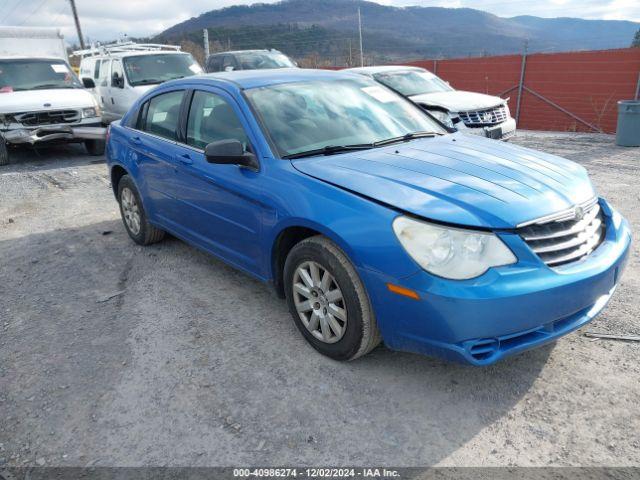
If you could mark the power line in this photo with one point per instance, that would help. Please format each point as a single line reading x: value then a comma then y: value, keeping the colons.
x: 38, y: 7
x: 11, y: 10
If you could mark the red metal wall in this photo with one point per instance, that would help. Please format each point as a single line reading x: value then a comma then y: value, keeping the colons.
x: 588, y: 84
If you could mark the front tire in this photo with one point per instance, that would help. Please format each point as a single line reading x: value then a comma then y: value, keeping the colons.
x: 133, y: 215
x: 328, y: 301
x: 94, y: 147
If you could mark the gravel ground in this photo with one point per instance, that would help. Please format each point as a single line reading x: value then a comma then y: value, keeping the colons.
x: 113, y: 354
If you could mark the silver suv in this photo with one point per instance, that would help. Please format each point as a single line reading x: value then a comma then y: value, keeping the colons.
x: 248, y: 60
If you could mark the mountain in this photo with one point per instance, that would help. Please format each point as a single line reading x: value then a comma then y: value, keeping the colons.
x: 329, y: 28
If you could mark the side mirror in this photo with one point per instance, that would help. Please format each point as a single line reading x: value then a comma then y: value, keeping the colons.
x: 229, y: 68
x: 88, y: 82
x: 230, y: 152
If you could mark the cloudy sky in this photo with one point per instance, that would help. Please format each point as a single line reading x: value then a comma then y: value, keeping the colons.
x: 113, y: 18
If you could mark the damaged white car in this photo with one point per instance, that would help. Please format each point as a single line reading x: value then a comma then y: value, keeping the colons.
x: 469, y: 112
x: 41, y: 99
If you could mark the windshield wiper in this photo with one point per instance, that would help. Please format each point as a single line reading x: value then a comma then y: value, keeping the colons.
x: 405, y: 138
x: 330, y: 150
x: 147, y: 81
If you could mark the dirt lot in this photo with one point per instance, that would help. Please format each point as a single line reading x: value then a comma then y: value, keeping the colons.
x: 113, y: 354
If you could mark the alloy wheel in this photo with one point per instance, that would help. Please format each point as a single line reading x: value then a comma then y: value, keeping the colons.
x: 319, y: 302
x: 130, y: 210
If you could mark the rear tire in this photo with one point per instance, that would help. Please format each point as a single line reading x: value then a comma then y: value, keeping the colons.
x: 4, y: 152
x: 337, y: 304
x: 133, y: 215
x: 94, y: 147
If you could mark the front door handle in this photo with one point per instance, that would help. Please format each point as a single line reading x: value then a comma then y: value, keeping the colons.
x: 135, y: 140
x: 185, y: 158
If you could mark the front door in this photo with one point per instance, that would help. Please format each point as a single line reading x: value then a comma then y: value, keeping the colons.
x: 119, y: 101
x: 222, y: 210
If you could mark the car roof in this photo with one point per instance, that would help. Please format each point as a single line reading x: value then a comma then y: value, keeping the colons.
x: 234, y: 52
x: 39, y: 58
x: 384, y: 68
x: 246, y: 79
x: 133, y: 53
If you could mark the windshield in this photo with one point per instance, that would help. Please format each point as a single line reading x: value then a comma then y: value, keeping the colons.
x: 151, y: 69
x: 305, y: 116
x: 263, y: 60
x: 36, y: 74
x: 413, y: 82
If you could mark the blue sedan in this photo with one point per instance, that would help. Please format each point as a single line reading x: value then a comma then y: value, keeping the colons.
x: 373, y: 220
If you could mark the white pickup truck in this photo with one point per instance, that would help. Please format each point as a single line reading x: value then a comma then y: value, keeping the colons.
x: 41, y: 99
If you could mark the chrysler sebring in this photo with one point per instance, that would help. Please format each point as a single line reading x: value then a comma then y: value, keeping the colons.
x: 372, y: 220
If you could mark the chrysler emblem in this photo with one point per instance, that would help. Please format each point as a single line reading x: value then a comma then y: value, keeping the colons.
x: 579, y: 213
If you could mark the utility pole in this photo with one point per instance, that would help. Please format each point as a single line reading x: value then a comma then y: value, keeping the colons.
x: 360, y: 32
x: 350, y: 55
x: 205, y: 35
x: 75, y: 17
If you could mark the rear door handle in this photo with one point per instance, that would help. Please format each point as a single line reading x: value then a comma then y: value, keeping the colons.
x: 185, y: 158
x: 135, y: 140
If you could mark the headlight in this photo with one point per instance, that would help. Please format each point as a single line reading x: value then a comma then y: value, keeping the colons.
x: 452, y: 253
x: 506, y: 108
x: 442, y: 116
x: 90, y: 112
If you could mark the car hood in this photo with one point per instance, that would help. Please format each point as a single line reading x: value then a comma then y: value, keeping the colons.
x: 459, y: 179
x: 35, y: 100
x: 458, y: 100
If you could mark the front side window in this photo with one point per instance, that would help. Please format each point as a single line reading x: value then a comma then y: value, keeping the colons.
x: 212, y: 119
x: 116, y: 69
x: 36, y: 74
x: 96, y: 70
x: 162, y: 115
x: 158, y: 68
x: 413, y: 82
x: 304, y: 116
x: 228, y: 62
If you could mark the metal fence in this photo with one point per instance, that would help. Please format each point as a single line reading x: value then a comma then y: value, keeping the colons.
x: 572, y: 91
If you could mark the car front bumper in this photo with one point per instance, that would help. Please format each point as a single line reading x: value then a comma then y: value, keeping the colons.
x: 89, y: 129
x: 501, y: 131
x: 505, y: 311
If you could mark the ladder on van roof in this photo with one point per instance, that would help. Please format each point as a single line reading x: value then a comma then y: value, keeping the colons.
x: 121, y: 47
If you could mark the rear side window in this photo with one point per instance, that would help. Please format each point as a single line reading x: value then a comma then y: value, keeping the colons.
x: 214, y: 64
x: 212, y: 119
x: 162, y: 114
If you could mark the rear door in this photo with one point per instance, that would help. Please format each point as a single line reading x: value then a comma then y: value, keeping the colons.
x: 154, y: 149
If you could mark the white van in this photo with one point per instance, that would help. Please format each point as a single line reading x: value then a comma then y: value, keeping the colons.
x: 41, y: 99
x: 122, y: 72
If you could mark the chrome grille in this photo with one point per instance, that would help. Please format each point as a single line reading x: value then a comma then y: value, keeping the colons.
x: 481, y: 118
x: 561, y: 241
x: 48, y: 117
